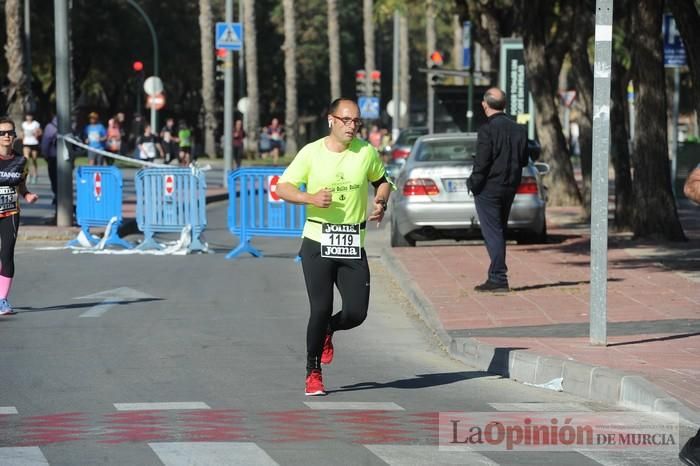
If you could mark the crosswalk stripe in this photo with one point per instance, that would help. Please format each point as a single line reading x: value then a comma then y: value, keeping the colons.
x: 8, y: 410
x: 541, y: 407
x: 208, y: 453
x: 628, y: 457
x: 160, y: 406
x: 354, y: 405
x: 405, y: 455
x: 22, y: 456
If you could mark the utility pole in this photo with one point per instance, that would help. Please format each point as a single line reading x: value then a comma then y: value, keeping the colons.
x: 396, y: 83
x: 599, y: 179
x: 228, y: 101
x: 64, y: 194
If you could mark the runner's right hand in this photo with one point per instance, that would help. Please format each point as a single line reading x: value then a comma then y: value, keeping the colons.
x: 322, y: 198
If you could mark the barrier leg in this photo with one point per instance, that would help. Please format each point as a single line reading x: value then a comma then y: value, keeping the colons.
x: 114, y: 239
x: 196, y: 243
x: 149, y: 242
x: 244, y: 247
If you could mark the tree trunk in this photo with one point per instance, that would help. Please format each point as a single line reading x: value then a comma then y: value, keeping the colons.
x: 542, y: 82
x: 405, y: 70
x: 334, y: 48
x: 207, y: 49
x: 457, y: 55
x: 655, y: 212
x: 688, y: 20
x: 290, y: 77
x: 368, y: 30
x: 16, y: 90
x: 582, y: 74
x: 252, y: 116
x: 619, y: 146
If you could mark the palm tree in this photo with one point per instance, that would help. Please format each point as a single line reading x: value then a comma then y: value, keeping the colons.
x: 334, y: 48
x: 16, y: 90
x: 207, y: 48
x: 290, y: 72
x: 368, y: 29
x: 251, y: 74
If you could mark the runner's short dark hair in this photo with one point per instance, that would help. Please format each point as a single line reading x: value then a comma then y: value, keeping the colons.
x: 6, y: 119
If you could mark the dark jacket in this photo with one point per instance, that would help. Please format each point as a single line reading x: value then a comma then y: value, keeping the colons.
x: 501, y: 153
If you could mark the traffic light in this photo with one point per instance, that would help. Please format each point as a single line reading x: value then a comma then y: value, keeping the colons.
x: 137, y: 66
x: 376, y: 83
x: 360, y: 83
x: 435, y: 64
x: 220, y: 63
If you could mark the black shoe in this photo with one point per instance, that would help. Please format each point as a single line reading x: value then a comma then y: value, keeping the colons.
x: 491, y: 287
x: 690, y: 454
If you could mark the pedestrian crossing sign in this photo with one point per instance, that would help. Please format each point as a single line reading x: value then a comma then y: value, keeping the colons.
x: 369, y: 107
x: 229, y: 36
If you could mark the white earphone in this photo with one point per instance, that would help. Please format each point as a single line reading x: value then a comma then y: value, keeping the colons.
x: 329, y: 123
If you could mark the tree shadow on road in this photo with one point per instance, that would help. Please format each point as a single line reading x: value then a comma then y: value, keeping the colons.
x: 559, y: 284
x: 419, y: 381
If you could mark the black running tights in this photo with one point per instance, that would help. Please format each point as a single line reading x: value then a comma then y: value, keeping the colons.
x: 351, y: 276
x: 8, y: 238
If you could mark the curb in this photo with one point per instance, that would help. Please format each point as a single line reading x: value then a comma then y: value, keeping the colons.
x: 595, y: 383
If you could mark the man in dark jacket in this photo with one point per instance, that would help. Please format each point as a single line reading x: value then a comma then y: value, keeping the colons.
x: 501, y: 153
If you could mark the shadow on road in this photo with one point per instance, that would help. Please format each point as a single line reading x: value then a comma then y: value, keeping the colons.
x: 419, y: 381
x: 66, y: 307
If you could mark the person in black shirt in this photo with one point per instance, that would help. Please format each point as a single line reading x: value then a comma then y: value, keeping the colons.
x: 501, y: 153
x: 13, y: 176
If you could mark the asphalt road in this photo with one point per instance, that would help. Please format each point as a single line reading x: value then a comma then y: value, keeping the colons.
x: 149, y: 360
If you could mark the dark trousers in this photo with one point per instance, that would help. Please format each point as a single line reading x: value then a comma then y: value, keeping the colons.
x: 51, y: 163
x: 493, y: 209
x: 351, y: 276
x: 8, y: 237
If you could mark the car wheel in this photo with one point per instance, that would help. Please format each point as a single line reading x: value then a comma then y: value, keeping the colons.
x: 534, y: 237
x: 397, y: 239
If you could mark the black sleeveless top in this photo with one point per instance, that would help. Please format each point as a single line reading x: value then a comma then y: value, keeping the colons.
x: 12, y: 172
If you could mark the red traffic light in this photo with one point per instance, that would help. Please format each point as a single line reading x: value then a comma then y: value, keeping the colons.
x: 137, y: 65
x: 375, y: 75
x: 221, y: 53
x: 436, y: 58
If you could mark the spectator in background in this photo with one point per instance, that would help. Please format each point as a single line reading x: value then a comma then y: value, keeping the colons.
x: 148, y: 144
x: 31, y: 132
x: 184, y: 136
x: 114, y: 135
x: 135, y: 130
x: 276, y: 133
x: 363, y: 134
x: 375, y: 137
x: 264, y: 143
x: 170, y: 141
x: 238, y: 137
x: 95, y: 135
x: 49, y: 149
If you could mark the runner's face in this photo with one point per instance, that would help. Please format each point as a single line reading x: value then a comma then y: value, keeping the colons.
x: 341, y: 132
x: 6, y: 139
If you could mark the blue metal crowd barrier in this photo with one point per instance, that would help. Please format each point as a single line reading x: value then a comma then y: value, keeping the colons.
x: 255, y: 209
x: 99, y: 200
x: 168, y: 200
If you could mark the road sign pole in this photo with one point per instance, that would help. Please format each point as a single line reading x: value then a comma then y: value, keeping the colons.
x: 674, y: 133
x: 395, y: 78
x: 599, y: 188
x: 228, y: 101
x: 64, y: 195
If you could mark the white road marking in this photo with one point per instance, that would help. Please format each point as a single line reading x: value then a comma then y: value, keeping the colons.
x: 22, y: 456
x: 8, y: 410
x: 111, y: 298
x: 541, y: 407
x: 210, y: 453
x: 350, y: 405
x: 418, y: 455
x: 160, y: 406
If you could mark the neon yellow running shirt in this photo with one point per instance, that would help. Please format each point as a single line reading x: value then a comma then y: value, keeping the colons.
x: 347, y: 174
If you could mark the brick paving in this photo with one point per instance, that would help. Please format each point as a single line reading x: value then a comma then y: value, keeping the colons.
x: 653, y: 300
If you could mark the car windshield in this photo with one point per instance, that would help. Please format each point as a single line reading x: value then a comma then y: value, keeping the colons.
x: 407, y: 138
x: 456, y: 150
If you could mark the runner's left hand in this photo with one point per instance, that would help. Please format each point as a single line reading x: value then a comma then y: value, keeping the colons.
x: 31, y: 197
x: 378, y: 212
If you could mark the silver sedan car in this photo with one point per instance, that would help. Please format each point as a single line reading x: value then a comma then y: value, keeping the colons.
x: 433, y: 202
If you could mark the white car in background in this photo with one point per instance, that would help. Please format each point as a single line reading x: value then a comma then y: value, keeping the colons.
x: 433, y: 202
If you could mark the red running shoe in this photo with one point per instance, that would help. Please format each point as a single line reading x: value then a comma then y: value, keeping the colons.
x: 314, y: 384
x: 327, y: 354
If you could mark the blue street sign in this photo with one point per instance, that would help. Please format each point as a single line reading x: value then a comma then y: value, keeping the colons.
x: 369, y: 107
x: 674, y: 51
x: 467, y: 45
x: 229, y: 36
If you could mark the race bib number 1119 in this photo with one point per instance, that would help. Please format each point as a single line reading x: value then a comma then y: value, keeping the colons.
x: 340, y: 241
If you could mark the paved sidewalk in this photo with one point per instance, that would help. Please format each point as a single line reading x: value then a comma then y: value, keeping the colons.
x: 539, y: 331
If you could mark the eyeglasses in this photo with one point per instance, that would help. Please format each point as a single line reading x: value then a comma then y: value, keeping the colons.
x: 346, y: 121
x: 9, y: 132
